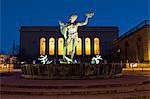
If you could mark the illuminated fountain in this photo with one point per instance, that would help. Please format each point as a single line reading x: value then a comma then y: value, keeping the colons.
x: 69, y: 68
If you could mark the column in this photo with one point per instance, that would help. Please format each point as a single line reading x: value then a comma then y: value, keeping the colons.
x: 56, y: 47
x: 83, y: 47
x: 92, y: 45
x: 47, y: 46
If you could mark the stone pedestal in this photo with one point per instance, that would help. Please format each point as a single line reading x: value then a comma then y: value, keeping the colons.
x: 71, y: 71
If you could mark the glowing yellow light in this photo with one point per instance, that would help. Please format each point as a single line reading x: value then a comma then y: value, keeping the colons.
x: 42, y: 46
x: 79, y: 47
x: 87, y: 46
x: 51, y: 46
x: 60, y: 46
x: 149, y: 51
x: 96, y: 46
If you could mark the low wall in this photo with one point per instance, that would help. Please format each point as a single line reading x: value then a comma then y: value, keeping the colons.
x: 71, y: 71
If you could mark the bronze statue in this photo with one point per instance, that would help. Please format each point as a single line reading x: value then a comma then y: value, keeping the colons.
x: 70, y: 33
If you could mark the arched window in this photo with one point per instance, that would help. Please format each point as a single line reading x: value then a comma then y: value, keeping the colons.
x: 69, y: 49
x: 42, y: 46
x: 51, y: 46
x: 60, y: 46
x: 87, y: 46
x: 79, y: 47
x: 96, y: 46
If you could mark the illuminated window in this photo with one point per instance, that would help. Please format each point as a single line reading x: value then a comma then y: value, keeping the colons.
x: 69, y: 49
x: 42, y: 46
x: 60, y: 46
x: 79, y: 47
x: 51, y: 46
x: 87, y: 46
x: 96, y: 46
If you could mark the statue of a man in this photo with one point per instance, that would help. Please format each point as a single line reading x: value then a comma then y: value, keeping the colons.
x: 70, y: 32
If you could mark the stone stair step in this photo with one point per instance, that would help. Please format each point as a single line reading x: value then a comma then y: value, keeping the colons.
x: 76, y: 86
x: 92, y: 91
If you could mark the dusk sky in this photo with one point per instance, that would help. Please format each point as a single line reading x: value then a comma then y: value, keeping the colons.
x: 15, y: 13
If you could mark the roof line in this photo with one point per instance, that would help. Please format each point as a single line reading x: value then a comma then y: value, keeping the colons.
x: 137, y: 27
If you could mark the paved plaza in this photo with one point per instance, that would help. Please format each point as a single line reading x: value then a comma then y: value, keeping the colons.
x: 130, y: 85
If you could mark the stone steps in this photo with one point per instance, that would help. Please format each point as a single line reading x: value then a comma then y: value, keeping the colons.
x: 76, y: 86
x: 73, y: 92
x: 129, y: 85
x: 133, y: 95
x: 76, y: 89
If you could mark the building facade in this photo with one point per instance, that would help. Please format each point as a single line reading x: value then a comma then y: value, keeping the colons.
x: 134, y: 46
x: 47, y: 40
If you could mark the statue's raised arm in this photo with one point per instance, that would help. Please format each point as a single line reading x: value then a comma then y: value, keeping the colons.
x: 88, y: 15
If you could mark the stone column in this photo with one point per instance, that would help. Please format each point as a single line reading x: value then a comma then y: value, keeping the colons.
x: 47, y: 46
x: 92, y: 45
x: 83, y: 47
x: 56, y: 47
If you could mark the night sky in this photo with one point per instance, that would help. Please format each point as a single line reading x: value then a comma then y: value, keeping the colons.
x: 15, y: 13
